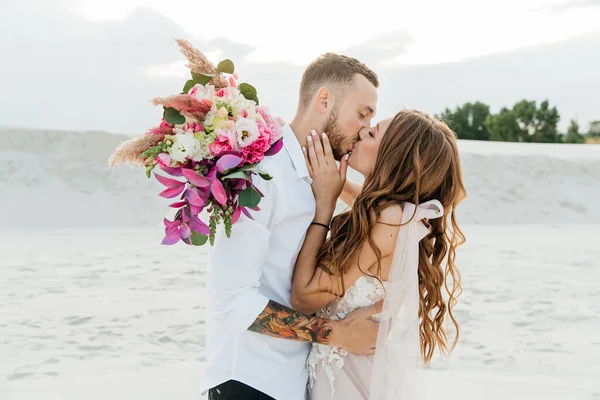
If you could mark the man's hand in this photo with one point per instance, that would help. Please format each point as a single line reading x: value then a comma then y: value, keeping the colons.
x: 357, y: 333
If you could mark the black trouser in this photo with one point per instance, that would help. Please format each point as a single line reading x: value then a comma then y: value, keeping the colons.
x: 234, y: 390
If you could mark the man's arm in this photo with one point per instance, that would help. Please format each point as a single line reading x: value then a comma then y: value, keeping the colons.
x: 236, y: 303
x: 357, y: 333
x: 282, y: 322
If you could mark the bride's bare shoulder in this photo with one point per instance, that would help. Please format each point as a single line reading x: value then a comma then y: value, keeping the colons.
x: 391, y: 215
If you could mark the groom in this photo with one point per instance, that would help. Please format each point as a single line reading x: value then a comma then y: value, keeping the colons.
x: 256, y: 344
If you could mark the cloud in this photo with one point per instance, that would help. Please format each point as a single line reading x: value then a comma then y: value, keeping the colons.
x: 65, y: 72
x: 381, y: 49
x: 574, y: 4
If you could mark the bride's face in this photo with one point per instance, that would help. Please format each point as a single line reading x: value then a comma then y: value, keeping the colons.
x: 364, y: 152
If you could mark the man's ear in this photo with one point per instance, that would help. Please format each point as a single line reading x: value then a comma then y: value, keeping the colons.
x: 324, y: 100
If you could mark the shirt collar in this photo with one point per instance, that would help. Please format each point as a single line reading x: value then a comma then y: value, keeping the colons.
x: 292, y: 146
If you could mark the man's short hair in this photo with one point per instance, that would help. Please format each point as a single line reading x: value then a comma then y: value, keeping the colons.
x: 334, y: 71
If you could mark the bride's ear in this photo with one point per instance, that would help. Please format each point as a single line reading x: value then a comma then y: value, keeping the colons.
x: 324, y: 100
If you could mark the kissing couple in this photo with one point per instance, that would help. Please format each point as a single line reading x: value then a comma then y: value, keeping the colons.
x: 302, y: 304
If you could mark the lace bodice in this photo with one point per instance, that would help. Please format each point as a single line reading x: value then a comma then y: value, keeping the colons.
x: 364, y: 292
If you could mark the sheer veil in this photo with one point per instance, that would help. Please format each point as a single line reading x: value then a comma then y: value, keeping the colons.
x: 397, y: 366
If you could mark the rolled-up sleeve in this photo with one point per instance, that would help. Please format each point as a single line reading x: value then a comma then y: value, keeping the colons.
x: 236, y: 266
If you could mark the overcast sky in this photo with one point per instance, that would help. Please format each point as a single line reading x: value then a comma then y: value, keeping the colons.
x: 95, y: 64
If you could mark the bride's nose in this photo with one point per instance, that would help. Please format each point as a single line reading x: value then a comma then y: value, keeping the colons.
x: 364, y: 133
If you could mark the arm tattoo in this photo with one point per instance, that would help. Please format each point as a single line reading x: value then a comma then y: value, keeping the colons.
x: 282, y: 322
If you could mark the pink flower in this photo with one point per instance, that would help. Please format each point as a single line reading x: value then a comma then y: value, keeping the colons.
x: 220, y: 145
x: 196, y: 127
x: 273, y: 126
x: 255, y: 151
x: 222, y: 92
x: 164, y: 124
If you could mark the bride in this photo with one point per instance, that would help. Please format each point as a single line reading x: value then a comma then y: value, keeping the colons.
x: 396, y: 243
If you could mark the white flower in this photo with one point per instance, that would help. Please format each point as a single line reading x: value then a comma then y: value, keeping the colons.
x: 239, y: 104
x: 184, y: 146
x: 245, y: 132
x: 209, y: 119
x: 203, y: 92
x: 204, y: 140
x: 232, y: 93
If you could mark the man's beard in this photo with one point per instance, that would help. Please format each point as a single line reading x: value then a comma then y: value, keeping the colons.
x: 335, y: 135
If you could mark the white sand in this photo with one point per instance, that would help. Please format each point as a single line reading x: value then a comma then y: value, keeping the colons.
x: 92, y: 307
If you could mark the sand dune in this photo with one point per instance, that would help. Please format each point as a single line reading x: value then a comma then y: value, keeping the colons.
x: 61, y: 179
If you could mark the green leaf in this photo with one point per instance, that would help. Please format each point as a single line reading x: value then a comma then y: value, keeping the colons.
x: 202, y: 79
x: 149, y: 169
x: 249, y: 197
x: 249, y: 167
x: 173, y: 116
x: 237, y: 175
x: 264, y: 175
x: 152, y: 151
x: 198, y: 239
x: 248, y: 91
x: 188, y: 85
x: 225, y: 66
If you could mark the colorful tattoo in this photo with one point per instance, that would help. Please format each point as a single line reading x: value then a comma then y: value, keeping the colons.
x: 282, y: 322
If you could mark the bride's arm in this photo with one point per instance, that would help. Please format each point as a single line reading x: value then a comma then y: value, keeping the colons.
x: 312, y: 288
x: 350, y: 192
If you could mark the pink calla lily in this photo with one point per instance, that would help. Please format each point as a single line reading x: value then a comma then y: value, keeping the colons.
x: 236, y: 214
x: 171, y: 192
x: 227, y: 162
x: 218, y: 191
x: 246, y: 212
x: 275, y: 148
x: 195, y: 178
x: 192, y: 196
x: 171, y: 170
x: 168, y: 182
x: 199, y: 226
x: 185, y: 231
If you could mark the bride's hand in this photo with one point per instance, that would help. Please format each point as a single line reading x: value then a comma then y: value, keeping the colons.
x: 328, y: 180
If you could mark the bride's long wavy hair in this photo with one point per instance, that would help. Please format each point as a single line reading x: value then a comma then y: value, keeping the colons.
x: 417, y: 161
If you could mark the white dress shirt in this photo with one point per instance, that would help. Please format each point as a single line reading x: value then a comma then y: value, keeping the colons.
x: 250, y: 268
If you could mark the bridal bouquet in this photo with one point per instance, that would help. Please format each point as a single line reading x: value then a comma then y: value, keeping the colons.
x: 208, y: 145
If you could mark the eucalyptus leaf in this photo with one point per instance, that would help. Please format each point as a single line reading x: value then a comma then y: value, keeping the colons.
x: 237, y: 175
x: 265, y: 176
x: 173, y: 116
x: 202, y: 79
x: 188, y: 85
x: 249, y: 197
x: 226, y: 66
x: 248, y: 91
x: 198, y: 239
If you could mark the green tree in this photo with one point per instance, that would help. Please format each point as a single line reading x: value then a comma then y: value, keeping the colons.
x: 573, y: 135
x: 525, y: 112
x: 546, y: 119
x: 468, y: 120
x: 537, y: 124
x: 594, y: 128
x: 504, y: 126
